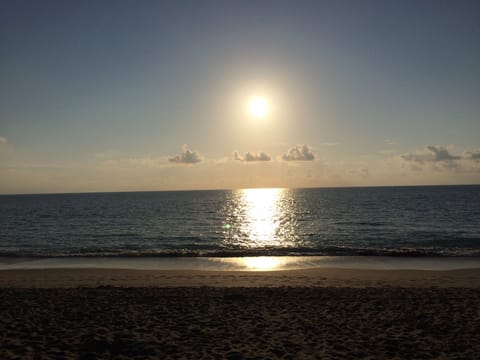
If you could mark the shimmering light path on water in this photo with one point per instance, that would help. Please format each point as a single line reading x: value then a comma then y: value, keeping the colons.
x: 392, y: 221
x: 259, y: 218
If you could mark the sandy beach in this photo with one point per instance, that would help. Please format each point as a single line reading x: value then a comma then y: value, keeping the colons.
x: 318, y: 313
x: 318, y: 277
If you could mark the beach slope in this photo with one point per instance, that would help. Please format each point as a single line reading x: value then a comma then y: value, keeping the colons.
x: 95, y: 314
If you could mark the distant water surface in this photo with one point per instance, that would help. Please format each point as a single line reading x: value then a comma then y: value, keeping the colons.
x: 383, y: 221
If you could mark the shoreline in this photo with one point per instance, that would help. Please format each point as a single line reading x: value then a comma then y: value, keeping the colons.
x: 311, y: 278
x: 247, y: 263
x: 291, y: 271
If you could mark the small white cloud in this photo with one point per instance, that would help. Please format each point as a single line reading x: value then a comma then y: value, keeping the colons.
x: 187, y: 156
x: 252, y: 156
x: 299, y: 153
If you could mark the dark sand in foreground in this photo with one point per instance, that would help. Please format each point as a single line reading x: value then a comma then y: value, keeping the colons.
x: 322, y: 313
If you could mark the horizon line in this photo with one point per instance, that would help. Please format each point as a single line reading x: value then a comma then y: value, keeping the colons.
x: 246, y: 188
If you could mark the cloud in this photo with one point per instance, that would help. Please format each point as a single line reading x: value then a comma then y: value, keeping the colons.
x: 251, y: 156
x: 431, y: 153
x: 437, y: 158
x: 299, y: 153
x: 441, y: 154
x: 187, y: 156
x: 472, y: 155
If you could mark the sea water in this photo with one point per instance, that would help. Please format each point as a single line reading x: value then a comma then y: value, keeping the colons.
x: 438, y: 221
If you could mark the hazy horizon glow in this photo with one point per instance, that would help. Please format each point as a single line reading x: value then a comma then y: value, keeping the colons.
x: 122, y: 96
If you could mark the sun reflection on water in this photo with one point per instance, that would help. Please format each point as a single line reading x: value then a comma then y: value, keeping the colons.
x: 263, y: 212
x: 262, y: 263
x: 259, y: 219
x: 257, y: 263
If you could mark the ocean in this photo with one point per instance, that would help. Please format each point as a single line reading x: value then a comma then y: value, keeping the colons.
x: 421, y: 221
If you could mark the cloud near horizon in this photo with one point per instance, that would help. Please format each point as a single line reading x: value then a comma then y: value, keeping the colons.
x: 472, y: 155
x: 431, y: 153
x: 187, y: 156
x: 437, y: 157
x: 252, y: 156
x: 299, y: 153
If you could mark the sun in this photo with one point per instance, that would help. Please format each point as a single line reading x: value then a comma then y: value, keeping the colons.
x: 258, y: 107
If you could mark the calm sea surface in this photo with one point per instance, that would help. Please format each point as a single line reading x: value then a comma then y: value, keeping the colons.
x: 396, y: 221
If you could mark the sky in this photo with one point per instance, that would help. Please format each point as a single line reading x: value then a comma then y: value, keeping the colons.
x: 153, y: 95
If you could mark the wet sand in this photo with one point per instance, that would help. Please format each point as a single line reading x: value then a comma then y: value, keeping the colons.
x: 320, y: 313
x: 324, y: 277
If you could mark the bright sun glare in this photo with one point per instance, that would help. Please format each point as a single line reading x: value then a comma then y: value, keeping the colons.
x: 258, y: 107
